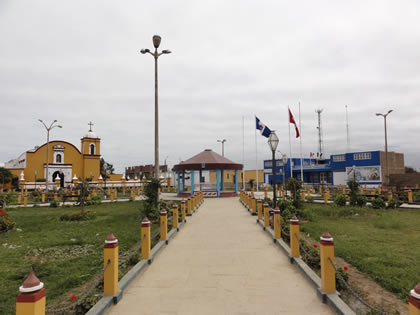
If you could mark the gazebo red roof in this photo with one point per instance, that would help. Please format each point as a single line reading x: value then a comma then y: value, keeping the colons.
x: 207, y: 160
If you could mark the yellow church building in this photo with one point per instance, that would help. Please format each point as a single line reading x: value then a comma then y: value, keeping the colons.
x: 65, y: 161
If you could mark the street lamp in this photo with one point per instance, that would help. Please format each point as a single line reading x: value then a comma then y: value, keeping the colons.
x: 52, y: 126
x: 156, y: 54
x: 223, y: 146
x: 386, y: 145
x: 273, y: 141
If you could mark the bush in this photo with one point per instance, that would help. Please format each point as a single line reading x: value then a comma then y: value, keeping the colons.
x: 361, y: 200
x: 95, y: 200
x: 340, y: 200
x: 394, y: 203
x: 354, y: 191
x: 151, y: 203
x: 78, y: 216
x: 54, y: 204
x: 378, y: 203
x: 5, y: 223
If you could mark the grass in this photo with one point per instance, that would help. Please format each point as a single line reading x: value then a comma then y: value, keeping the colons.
x: 64, y: 255
x: 381, y: 243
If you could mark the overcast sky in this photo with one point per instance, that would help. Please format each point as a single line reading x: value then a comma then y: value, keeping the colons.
x: 80, y: 61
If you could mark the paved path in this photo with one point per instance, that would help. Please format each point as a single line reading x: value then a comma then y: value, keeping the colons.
x: 221, y: 262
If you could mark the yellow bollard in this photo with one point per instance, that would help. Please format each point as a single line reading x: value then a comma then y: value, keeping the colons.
x: 361, y: 189
x: 410, y: 196
x: 265, y: 193
x: 145, y: 239
x: 283, y: 195
x: 266, y: 216
x: 133, y: 195
x: 189, y: 206
x: 111, y: 265
x: 25, y: 200
x: 372, y: 193
x: 327, y: 258
x: 55, y: 196
x: 183, y: 211
x: 313, y: 189
x: 325, y: 197
x: 294, y: 237
x: 343, y: 190
x: 308, y: 194
x: 302, y: 195
x: 163, y: 225
x: 31, y: 299
x: 111, y: 195
x: 89, y: 197
x: 414, y: 301
x: 43, y: 197
x: 389, y: 195
x: 175, y: 217
x: 320, y: 190
x: 259, y: 205
x: 379, y: 189
x: 277, y: 226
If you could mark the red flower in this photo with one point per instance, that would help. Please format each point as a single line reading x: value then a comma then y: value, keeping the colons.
x: 1, y: 213
x: 315, y: 245
x: 6, y: 219
x: 345, y: 267
x: 73, y: 297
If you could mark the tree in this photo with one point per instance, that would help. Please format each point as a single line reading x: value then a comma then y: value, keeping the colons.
x: 5, y: 176
x: 295, y: 187
x: 106, y: 169
x: 151, y: 190
x: 354, y: 191
x: 84, y: 188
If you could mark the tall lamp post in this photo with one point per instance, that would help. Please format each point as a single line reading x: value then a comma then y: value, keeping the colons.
x: 223, y: 146
x: 386, y: 145
x: 52, y: 126
x: 156, y: 54
x: 273, y: 141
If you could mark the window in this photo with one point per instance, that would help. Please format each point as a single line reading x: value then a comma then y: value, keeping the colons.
x: 339, y: 158
x: 362, y: 156
x: 58, y: 158
x: 268, y: 164
x: 92, y: 149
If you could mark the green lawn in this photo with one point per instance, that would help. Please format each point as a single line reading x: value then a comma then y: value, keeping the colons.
x: 64, y: 255
x: 385, y: 244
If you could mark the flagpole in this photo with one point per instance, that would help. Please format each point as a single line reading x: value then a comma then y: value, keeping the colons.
x: 290, y: 144
x: 256, y: 152
x: 243, y: 152
x: 300, y: 136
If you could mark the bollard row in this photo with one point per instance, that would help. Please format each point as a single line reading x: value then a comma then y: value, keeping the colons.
x: 31, y: 299
x: 327, y: 256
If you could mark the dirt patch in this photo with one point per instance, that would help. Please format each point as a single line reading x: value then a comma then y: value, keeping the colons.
x: 371, y: 292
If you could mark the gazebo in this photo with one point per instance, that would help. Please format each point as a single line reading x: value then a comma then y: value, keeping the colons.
x: 206, y: 163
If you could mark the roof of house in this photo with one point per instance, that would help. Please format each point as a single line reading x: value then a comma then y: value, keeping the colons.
x: 207, y: 160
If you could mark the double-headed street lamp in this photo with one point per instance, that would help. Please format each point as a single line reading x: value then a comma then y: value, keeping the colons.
x: 52, y: 126
x: 386, y: 145
x: 223, y: 146
x: 156, y: 54
x: 273, y: 141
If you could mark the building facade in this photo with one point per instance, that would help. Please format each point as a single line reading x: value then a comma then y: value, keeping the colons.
x: 65, y: 161
x: 367, y: 167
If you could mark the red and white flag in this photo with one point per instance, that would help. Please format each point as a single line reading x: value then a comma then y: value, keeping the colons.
x: 292, y: 121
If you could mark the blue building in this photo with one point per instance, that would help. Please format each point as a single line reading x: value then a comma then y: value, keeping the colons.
x: 367, y: 167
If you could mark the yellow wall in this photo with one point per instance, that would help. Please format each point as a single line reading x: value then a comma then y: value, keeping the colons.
x: 83, y: 165
x: 230, y: 175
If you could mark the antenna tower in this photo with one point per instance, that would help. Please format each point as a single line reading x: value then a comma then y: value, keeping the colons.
x: 320, y: 142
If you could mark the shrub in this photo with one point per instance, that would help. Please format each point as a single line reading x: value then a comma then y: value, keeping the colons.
x: 310, y: 199
x: 78, y: 216
x: 378, y: 203
x: 5, y: 223
x: 295, y: 187
x: 95, y: 200
x: 354, y: 191
x: 394, y: 203
x: 54, y: 204
x: 151, y: 202
x: 340, y: 200
x: 361, y: 200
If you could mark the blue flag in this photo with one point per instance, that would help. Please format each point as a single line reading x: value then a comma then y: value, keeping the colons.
x: 265, y: 131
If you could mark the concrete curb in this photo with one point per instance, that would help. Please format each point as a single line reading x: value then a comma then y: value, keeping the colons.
x: 333, y: 299
x: 107, y: 301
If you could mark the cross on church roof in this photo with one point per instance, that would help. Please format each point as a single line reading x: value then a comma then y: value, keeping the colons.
x: 90, y: 124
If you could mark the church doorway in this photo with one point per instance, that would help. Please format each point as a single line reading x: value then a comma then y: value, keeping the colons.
x: 59, y: 175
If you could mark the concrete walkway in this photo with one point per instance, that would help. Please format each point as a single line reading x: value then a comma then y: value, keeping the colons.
x: 221, y: 262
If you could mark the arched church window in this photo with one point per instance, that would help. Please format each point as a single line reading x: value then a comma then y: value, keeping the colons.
x: 58, y: 158
x: 92, y: 149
